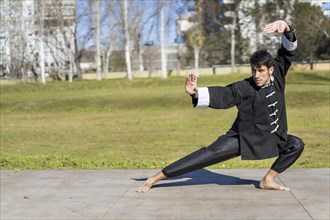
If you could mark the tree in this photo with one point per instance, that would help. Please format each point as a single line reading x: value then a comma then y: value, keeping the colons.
x: 18, y: 45
x: 195, y: 34
x: 60, y: 38
x: 144, y: 18
x: 323, y: 49
x: 312, y: 30
x: 109, y: 43
x: 111, y: 34
x: 233, y: 41
x: 221, y: 31
x: 84, y: 23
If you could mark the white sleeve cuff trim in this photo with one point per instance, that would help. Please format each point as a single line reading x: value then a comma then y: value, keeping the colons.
x: 288, y: 45
x: 203, y: 98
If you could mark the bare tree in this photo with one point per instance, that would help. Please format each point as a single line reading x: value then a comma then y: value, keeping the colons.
x: 68, y: 35
x: 136, y: 27
x: 233, y: 40
x: 314, y: 42
x: 136, y: 32
x: 143, y: 25
x: 108, y: 46
x: 196, y: 33
x: 110, y: 42
x: 17, y: 45
x: 84, y: 23
x: 60, y: 37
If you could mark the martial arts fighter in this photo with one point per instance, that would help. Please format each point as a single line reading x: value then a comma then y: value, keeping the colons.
x: 260, y: 129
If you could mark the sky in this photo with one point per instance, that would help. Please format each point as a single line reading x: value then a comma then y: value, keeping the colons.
x: 148, y: 6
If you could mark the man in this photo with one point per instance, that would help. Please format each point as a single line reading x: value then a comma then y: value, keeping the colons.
x: 260, y: 129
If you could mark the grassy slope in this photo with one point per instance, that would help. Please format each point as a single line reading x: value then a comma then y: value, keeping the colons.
x: 145, y: 123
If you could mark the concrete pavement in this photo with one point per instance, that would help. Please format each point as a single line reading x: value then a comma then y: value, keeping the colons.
x: 203, y: 194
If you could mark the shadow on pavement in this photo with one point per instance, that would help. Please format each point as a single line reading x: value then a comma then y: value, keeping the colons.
x: 202, y: 177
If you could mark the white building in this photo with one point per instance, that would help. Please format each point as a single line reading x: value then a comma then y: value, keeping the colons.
x: 27, y: 23
x: 16, y: 32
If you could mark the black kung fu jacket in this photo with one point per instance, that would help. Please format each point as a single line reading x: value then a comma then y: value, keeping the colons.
x: 261, y: 123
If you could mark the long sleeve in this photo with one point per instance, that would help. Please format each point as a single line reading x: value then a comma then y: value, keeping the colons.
x: 202, y: 98
x: 290, y: 35
x: 286, y: 53
x: 222, y: 97
x: 217, y: 97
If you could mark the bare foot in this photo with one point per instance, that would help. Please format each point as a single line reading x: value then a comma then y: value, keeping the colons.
x: 268, y: 182
x: 272, y: 185
x: 146, y: 186
x: 150, y: 182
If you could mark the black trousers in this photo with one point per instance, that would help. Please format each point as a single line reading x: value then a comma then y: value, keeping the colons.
x: 227, y: 147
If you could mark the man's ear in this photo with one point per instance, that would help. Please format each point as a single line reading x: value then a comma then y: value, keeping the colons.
x: 271, y: 70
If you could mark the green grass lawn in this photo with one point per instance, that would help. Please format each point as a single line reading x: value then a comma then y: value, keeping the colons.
x: 141, y: 124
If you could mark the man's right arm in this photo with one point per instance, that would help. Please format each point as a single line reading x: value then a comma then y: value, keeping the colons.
x: 216, y: 97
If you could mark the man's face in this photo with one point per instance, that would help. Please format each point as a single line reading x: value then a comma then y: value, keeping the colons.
x: 261, y: 75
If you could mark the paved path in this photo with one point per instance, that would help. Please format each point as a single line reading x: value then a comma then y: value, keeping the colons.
x: 203, y: 194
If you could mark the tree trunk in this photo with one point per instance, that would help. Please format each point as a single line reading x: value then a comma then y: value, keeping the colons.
x: 76, y: 54
x: 232, y: 49
x: 70, y: 77
x: 196, y: 53
x: 178, y: 34
x: 97, y: 40
x: 162, y: 41
x: 41, y: 44
x: 7, y: 48
x: 106, y: 59
x: 141, y: 67
x: 105, y: 67
x: 127, y: 43
x: 71, y: 56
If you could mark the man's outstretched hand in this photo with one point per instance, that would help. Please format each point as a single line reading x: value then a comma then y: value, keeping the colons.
x: 276, y: 27
x: 191, y: 84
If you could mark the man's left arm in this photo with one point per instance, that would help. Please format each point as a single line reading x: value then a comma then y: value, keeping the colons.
x: 287, y: 51
x: 289, y: 44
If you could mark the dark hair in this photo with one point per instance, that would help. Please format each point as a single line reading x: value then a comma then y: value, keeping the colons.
x: 261, y: 57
